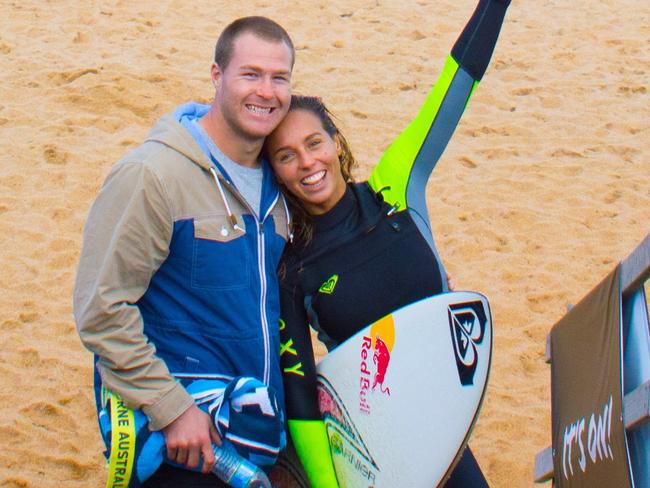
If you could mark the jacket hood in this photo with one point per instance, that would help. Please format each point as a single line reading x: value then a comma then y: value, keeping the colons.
x: 170, y: 131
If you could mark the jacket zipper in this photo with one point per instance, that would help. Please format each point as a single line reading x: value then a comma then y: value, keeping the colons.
x: 261, y: 264
x: 262, y: 267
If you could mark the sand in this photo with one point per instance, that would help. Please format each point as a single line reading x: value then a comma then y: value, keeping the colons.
x: 544, y: 188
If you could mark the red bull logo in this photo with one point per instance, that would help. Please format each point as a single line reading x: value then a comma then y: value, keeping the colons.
x: 378, y: 346
x: 381, y: 358
x: 364, y: 381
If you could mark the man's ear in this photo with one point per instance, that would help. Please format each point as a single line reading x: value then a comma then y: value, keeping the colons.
x: 215, y: 75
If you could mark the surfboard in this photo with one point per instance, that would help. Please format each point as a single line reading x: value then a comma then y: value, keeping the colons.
x: 400, y: 397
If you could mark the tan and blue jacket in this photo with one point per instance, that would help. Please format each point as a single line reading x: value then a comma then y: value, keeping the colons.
x: 177, y: 275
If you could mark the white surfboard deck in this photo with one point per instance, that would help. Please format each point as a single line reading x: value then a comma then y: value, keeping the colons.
x: 400, y: 397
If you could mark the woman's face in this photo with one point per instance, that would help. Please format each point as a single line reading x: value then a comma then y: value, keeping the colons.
x: 305, y: 159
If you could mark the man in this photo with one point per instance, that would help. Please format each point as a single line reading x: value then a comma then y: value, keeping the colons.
x: 176, y: 279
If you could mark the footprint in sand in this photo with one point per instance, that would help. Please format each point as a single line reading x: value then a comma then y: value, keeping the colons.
x: 54, y: 155
x: 632, y: 89
x: 626, y: 152
x: 66, y: 77
x: 65, y: 261
x: 155, y: 78
x: 499, y: 153
x: 531, y: 365
x: 13, y: 482
x: 10, y: 325
x: 551, y: 102
x: 29, y: 358
x: 13, y: 182
x: 501, y: 131
x: 467, y: 162
x: 499, y: 64
x: 11, y: 436
x: 560, y: 153
x: 522, y: 92
x: 572, y: 170
x: 74, y: 470
x: 62, y: 245
x: 29, y: 317
x: 502, y: 244
x: 126, y: 92
x: 80, y: 38
x: 612, y: 196
x: 60, y: 214
x: 541, y: 302
x: 42, y: 409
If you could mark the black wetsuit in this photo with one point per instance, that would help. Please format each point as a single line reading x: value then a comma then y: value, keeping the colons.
x: 376, y: 258
x: 381, y: 263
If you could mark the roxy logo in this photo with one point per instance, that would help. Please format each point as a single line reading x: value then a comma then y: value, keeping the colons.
x: 329, y: 285
x: 467, y: 322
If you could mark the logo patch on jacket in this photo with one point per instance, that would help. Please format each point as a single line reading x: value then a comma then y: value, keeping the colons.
x: 329, y: 285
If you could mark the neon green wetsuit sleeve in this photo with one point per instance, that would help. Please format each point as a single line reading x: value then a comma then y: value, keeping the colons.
x: 403, y: 171
x: 392, y: 175
x: 312, y: 445
x: 405, y: 167
x: 306, y: 426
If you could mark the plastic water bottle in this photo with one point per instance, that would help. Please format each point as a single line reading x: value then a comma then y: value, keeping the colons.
x: 237, y: 471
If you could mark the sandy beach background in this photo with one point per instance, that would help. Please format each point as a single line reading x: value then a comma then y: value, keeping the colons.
x: 544, y: 188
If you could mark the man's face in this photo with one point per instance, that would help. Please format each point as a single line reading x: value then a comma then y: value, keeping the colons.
x: 253, y: 93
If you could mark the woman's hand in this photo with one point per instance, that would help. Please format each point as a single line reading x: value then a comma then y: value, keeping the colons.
x: 450, y: 282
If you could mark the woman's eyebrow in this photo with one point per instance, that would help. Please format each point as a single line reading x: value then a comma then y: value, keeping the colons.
x: 281, y: 148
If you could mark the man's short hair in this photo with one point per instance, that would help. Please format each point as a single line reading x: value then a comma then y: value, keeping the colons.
x: 261, y: 27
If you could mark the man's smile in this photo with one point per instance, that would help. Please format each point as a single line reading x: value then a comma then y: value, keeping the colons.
x: 258, y: 109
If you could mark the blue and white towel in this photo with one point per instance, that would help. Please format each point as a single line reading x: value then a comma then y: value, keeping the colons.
x: 245, y: 412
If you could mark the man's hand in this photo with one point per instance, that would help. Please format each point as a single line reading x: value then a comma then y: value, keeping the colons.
x: 190, y: 437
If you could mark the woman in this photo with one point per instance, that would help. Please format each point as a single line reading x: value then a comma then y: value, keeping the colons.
x: 354, y: 237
